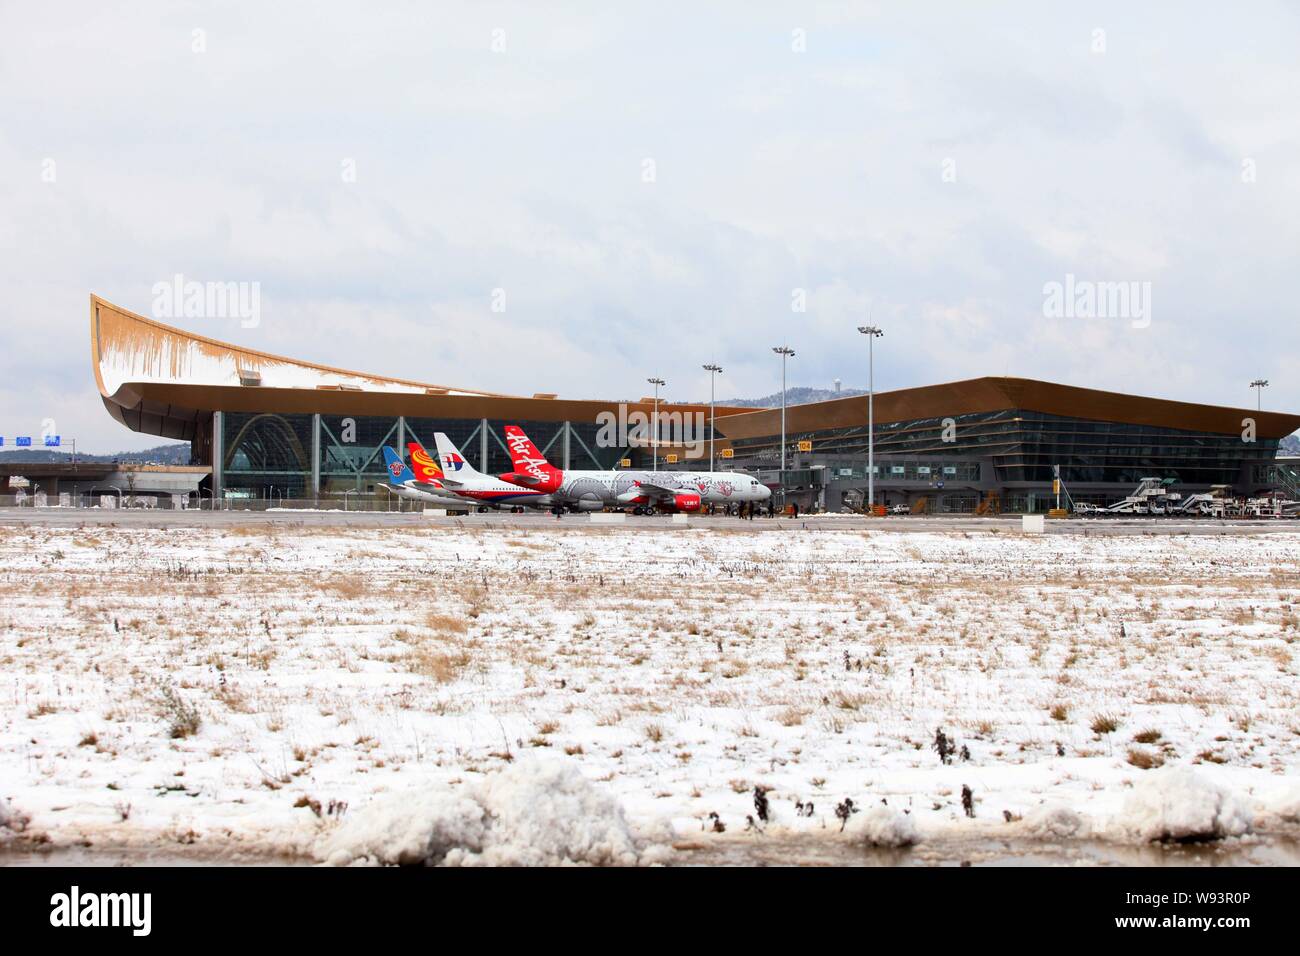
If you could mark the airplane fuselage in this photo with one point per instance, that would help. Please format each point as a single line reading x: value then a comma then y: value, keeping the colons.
x: 429, y: 498
x: 594, y: 490
x: 487, y: 490
x: 479, y: 491
x: 591, y: 489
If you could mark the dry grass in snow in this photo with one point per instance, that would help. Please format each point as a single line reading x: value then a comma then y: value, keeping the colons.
x: 259, y: 688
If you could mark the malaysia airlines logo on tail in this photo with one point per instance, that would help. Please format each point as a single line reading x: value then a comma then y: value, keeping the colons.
x: 423, y: 464
x: 453, y: 462
x: 530, y: 465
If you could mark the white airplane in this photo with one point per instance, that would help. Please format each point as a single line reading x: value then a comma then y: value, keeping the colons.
x: 426, y: 488
x: 643, y: 490
x: 429, y: 484
x: 461, y: 478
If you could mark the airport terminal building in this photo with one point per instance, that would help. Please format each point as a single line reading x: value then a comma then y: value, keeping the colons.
x: 274, y: 428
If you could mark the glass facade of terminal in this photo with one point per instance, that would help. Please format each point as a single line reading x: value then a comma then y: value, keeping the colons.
x: 270, y: 455
x: 267, y: 455
x: 1023, y: 446
x: 903, y: 469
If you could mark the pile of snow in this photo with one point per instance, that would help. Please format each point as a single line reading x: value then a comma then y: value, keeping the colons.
x: 1287, y: 809
x: 882, y: 826
x: 12, y: 821
x: 1290, y: 811
x: 534, y: 813
x: 1177, y: 803
x: 1054, y: 823
x: 407, y: 829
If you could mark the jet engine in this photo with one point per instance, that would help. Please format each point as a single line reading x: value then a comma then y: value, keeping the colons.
x: 686, y: 501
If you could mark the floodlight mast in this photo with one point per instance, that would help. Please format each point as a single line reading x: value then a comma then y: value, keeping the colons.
x: 656, y: 382
x: 713, y: 369
x: 785, y: 352
x: 1259, y: 385
x: 872, y: 333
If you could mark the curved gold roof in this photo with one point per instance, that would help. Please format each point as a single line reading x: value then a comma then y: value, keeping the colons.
x: 165, y: 381
x: 130, y: 347
x: 994, y: 394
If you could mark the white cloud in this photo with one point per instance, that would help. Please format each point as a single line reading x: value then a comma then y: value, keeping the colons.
x: 522, y: 170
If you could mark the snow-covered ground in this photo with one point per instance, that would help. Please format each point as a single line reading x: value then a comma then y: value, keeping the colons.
x: 602, y: 695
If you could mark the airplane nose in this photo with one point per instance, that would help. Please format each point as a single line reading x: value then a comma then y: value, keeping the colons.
x: 767, y: 493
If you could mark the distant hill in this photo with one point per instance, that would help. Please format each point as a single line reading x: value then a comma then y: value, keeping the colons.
x: 178, y: 454
x: 799, y: 395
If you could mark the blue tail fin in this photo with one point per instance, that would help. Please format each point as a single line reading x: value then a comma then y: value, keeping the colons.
x: 397, y: 469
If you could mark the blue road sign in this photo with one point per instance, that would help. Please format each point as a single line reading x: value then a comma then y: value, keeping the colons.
x: 52, y: 441
x: 23, y: 441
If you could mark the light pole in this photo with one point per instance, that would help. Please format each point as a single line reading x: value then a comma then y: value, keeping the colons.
x: 785, y: 352
x: 872, y: 333
x: 1260, y: 384
x: 656, y: 382
x: 713, y: 370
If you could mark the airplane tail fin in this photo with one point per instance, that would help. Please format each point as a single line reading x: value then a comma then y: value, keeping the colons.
x: 397, y: 469
x: 424, y: 465
x: 530, y: 466
x: 453, y: 463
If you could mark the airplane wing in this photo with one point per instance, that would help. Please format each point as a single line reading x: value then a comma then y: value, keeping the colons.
x: 426, y: 486
x: 649, y: 489
x: 655, y: 488
x: 517, y: 478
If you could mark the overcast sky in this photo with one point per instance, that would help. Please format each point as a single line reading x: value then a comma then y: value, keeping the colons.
x: 932, y: 165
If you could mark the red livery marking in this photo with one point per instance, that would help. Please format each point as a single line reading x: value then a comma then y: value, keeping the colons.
x: 527, y: 460
x: 425, y: 468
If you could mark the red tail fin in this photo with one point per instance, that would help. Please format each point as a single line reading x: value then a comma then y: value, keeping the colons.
x: 424, y: 465
x: 529, y: 463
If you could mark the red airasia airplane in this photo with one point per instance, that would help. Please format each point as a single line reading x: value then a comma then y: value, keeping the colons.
x: 645, y: 491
